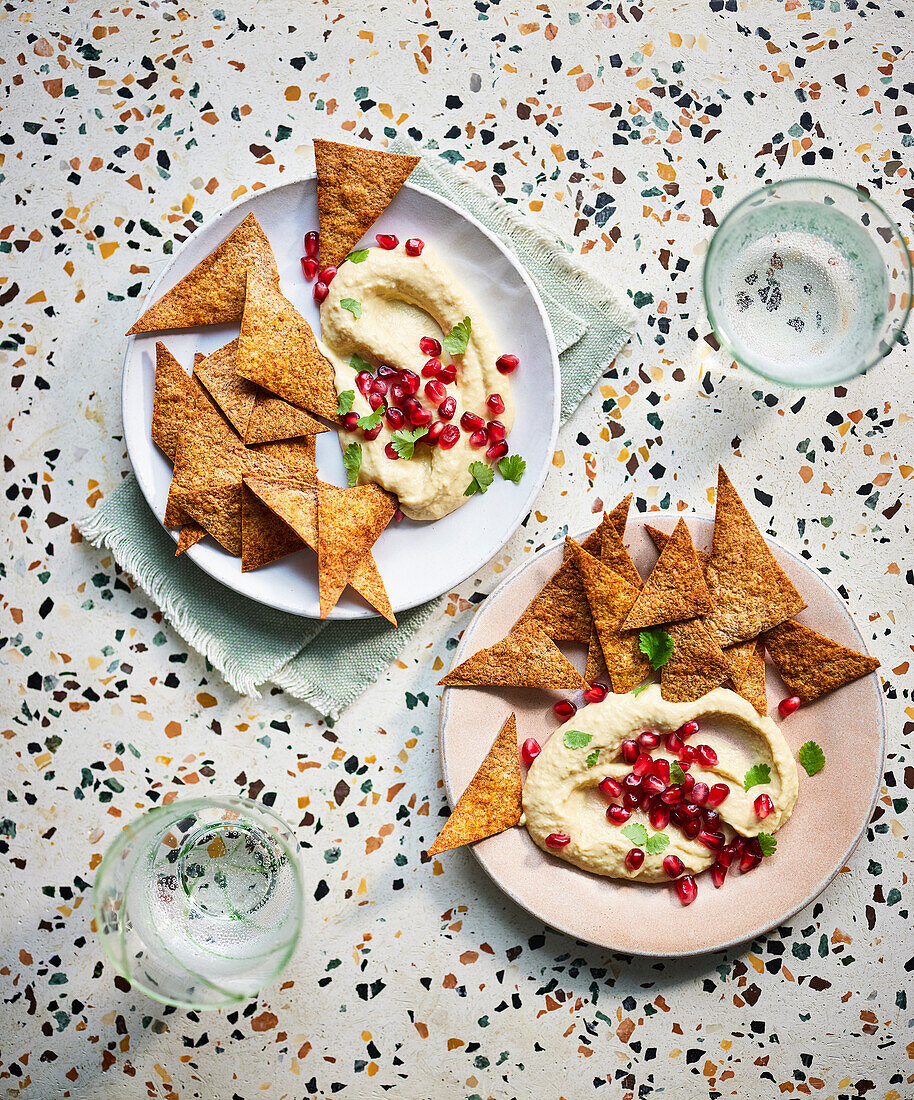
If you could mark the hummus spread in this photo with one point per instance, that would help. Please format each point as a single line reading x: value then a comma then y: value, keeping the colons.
x: 561, y: 796
x: 402, y: 299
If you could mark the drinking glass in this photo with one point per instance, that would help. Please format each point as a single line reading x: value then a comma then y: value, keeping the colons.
x: 808, y: 282
x: 199, y: 903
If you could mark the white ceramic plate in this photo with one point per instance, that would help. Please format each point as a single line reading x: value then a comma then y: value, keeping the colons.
x: 829, y: 818
x: 418, y: 561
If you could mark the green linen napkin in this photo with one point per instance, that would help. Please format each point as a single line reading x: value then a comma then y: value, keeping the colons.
x: 330, y: 664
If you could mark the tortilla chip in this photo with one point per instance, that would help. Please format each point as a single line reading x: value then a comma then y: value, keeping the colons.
x: 492, y: 801
x: 272, y: 419
x: 527, y: 657
x: 750, y: 592
x: 561, y: 609
x: 354, y: 187
x: 264, y: 536
x: 190, y: 535
x: 676, y: 588
x: 234, y: 395
x: 661, y: 538
x: 204, y: 418
x: 748, y: 676
x: 619, y: 517
x: 596, y: 666
x: 213, y: 293
x: 349, y: 522
x: 611, y: 598
x: 174, y: 401
x: 614, y: 556
x: 810, y: 664
x: 217, y: 507
x: 277, y: 349
x: 697, y: 665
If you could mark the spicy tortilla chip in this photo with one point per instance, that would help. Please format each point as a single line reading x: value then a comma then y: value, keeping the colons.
x: 619, y: 515
x: 696, y: 665
x: 349, y: 522
x: 676, y: 588
x: 277, y: 349
x: 613, y: 555
x: 492, y: 801
x: 264, y: 536
x: 234, y: 395
x: 750, y: 592
x: 527, y: 657
x: 273, y: 419
x: 175, y: 400
x: 661, y: 538
x: 213, y: 293
x: 747, y: 660
x: 190, y: 534
x: 354, y: 187
x: 810, y: 664
x: 561, y: 609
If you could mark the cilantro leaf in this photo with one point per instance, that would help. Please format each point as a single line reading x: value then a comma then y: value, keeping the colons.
x: 512, y: 467
x: 404, y: 440
x: 676, y: 772
x: 455, y: 343
x: 812, y: 757
x: 656, y: 645
x: 482, y: 477
x: 354, y: 306
x: 352, y: 460
x: 658, y: 843
x: 371, y: 420
x: 636, y: 691
x: 357, y: 257
x: 592, y: 758
x: 636, y: 833
x: 345, y: 403
x: 756, y: 775
x: 767, y: 843
x: 358, y: 363
x: 577, y: 739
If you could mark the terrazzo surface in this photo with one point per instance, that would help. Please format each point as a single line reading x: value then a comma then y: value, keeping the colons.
x: 630, y: 130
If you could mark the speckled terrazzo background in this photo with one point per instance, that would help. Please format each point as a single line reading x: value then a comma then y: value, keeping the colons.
x: 631, y: 130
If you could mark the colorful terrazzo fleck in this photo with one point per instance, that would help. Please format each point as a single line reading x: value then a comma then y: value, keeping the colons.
x: 631, y: 131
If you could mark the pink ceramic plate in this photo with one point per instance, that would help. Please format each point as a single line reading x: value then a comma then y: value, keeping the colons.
x: 830, y: 816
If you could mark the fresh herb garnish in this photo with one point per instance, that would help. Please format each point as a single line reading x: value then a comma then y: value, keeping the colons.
x: 676, y: 772
x: 812, y: 757
x: 357, y: 257
x: 657, y: 844
x: 345, y: 402
x: 352, y: 460
x: 576, y: 739
x: 656, y: 645
x: 371, y: 420
x: 756, y: 776
x: 404, y: 440
x: 512, y: 467
x: 641, y: 687
x: 353, y: 305
x: 455, y: 343
x: 592, y: 758
x: 482, y: 477
x: 767, y: 843
x: 358, y: 363
x: 636, y: 833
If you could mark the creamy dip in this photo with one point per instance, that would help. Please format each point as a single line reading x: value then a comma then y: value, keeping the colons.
x: 402, y: 299
x: 561, y: 796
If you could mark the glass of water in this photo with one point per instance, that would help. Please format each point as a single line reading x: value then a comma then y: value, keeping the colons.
x: 808, y: 282
x: 199, y: 903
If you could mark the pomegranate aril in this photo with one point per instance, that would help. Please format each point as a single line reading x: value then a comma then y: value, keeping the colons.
x: 447, y: 408
x: 409, y: 380
x: 763, y: 806
x: 690, y: 812
x: 676, y: 814
x: 327, y: 275
x: 749, y: 861
x: 564, y: 709
x: 478, y: 439
x: 672, y: 795
x: 718, y: 874
x: 661, y: 768
x: 558, y: 840
x: 390, y: 452
x: 495, y: 404
x: 435, y: 392
x: 447, y: 374
x: 691, y: 828
x: 610, y: 787
x: 414, y: 246
x: 321, y: 290
x: 673, y: 866
x: 449, y: 437
x: 711, y: 818
x: 389, y: 373
x: 363, y: 382
x: 386, y: 240
x: 699, y: 794
x: 312, y: 243
x: 410, y: 403
x: 618, y: 815
x: 653, y: 784
x: 394, y: 417
x: 507, y: 364
x: 470, y: 422
x: 308, y: 268
x: 631, y: 782
x: 634, y: 858
x: 496, y: 431
x: 645, y: 801
x: 431, y: 368
x: 659, y: 815
x: 595, y: 692
x: 686, y: 890
x: 375, y: 400
x: 397, y: 393
x: 687, y: 729
x: 648, y: 740
x: 419, y: 417
x: 642, y: 765
x: 688, y: 783
x: 496, y: 451
x: 706, y: 756
x: 433, y: 435
x: 428, y: 345
x: 530, y: 750
x: 687, y: 754
x: 717, y: 794
x: 713, y: 841
x: 788, y: 706
x: 631, y: 800
x: 727, y: 854
x: 379, y: 385
x: 350, y: 421
x: 371, y: 433
x: 629, y: 751
x: 674, y: 743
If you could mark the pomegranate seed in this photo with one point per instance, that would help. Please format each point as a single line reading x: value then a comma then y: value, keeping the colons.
x: 690, y: 812
x: 687, y: 729
x: 659, y: 815
x: 718, y: 874
x: 642, y: 765
x: 449, y: 436
x: 495, y: 404
x: 699, y: 794
x: 327, y: 275
x: 447, y: 374
x: 386, y: 240
x: 428, y: 345
x: 713, y: 841
x: 375, y: 400
x: 379, y: 385
x: 350, y: 421
x: 390, y: 452
x: 470, y: 422
x: 394, y: 417
x: 389, y: 373
x: 496, y: 431
x: 632, y: 782
x: 414, y: 246
x: 409, y: 381
x: 506, y: 364
x: 371, y: 433
x: 419, y: 417
x: 788, y: 706
x: 661, y: 768
x: 530, y: 750
x: 631, y: 800
x: 398, y: 516
x: 691, y: 828
x: 478, y: 439
x: 558, y: 840
x: 431, y: 368
x: 674, y: 743
x: 711, y: 818
x: 726, y: 855
x: 676, y: 815
x: 648, y: 740
x: 564, y: 709
x: 596, y: 692
x: 433, y: 435
x: 312, y: 243
x: 653, y: 784
x: 688, y: 782
x: 411, y: 403
x: 496, y: 451
x: 435, y: 392
x: 749, y: 861
x: 363, y: 382
x: 706, y: 756
x: 687, y: 754
x: 308, y: 268
x: 717, y: 794
x: 321, y: 290
x: 672, y: 795
x: 397, y: 393
x: 763, y: 806
x: 610, y: 788
x: 673, y: 866
x: 686, y: 890
x: 645, y: 801
x: 618, y: 815
x: 739, y: 845
x: 634, y: 858
x: 629, y: 751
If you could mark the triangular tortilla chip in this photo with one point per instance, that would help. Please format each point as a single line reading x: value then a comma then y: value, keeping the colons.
x: 273, y: 418
x: 810, y: 664
x: 204, y: 418
x: 190, y: 534
x: 264, y: 536
x: 611, y: 598
x: 619, y: 517
x: 697, y: 665
x: 234, y: 395
x: 277, y: 349
x: 750, y: 592
x: 492, y: 801
x: 174, y: 401
x: 527, y: 657
x: 349, y: 522
x: 217, y: 507
x: 615, y: 557
x: 676, y: 588
x: 661, y: 538
x: 739, y: 656
x: 561, y: 608
x: 213, y: 293
x: 354, y: 187
x: 747, y: 661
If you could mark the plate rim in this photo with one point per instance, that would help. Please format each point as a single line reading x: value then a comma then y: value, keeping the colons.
x: 355, y: 613
x: 762, y: 929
